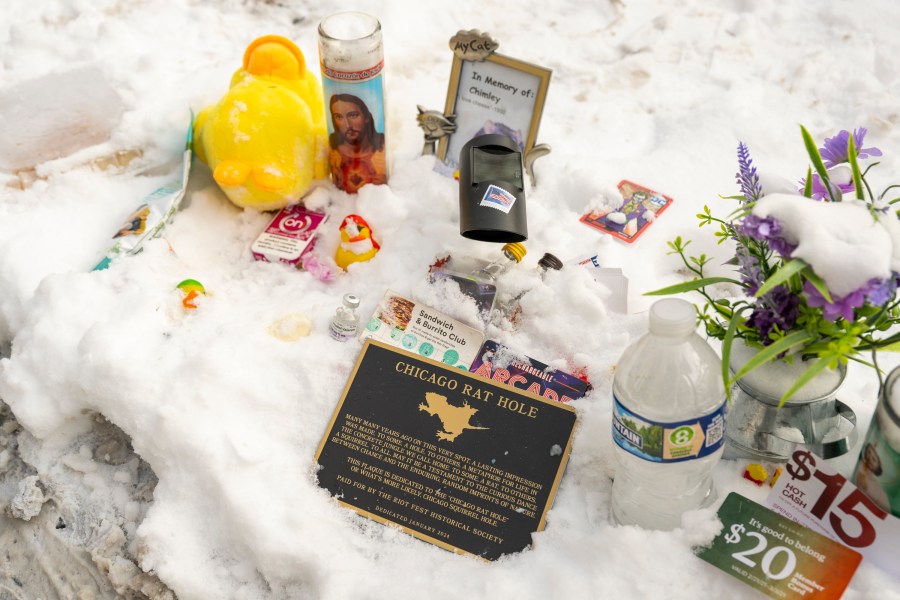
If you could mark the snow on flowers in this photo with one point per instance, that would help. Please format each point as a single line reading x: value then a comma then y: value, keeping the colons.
x: 818, y: 270
x: 843, y: 243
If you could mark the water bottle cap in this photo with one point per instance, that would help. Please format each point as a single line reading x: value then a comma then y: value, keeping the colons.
x: 351, y: 300
x: 516, y: 250
x: 672, y: 317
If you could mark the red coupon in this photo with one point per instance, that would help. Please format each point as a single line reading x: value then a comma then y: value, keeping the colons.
x: 814, y: 494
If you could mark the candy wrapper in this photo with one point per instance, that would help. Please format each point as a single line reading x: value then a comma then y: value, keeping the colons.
x: 289, y: 237
x: 156, y: 211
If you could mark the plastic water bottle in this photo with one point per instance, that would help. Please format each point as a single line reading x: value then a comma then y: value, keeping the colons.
x: 668, y: 421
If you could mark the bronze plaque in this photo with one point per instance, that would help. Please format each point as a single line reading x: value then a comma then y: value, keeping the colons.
x: 450, y: 457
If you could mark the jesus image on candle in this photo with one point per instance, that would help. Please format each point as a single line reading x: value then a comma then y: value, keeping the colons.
x: 357, y: 154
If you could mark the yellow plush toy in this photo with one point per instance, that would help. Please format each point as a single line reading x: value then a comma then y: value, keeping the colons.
x: 266, y: 140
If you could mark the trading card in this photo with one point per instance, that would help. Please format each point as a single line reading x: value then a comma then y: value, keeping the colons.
x: 640, y: 207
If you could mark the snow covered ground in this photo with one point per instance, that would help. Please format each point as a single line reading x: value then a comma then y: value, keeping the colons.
x: 228, y: 417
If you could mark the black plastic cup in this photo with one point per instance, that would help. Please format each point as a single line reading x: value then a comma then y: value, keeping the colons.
x: 492, y: 190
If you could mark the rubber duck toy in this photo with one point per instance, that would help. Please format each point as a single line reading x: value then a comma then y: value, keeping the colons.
x: 357, y: 243
x: 266, y: 140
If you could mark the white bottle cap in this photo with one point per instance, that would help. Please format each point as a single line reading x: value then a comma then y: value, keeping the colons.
x: 672, y: 317
x: 351, y: 301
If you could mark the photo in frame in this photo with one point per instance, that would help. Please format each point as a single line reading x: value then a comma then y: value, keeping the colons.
x: 498, y: 94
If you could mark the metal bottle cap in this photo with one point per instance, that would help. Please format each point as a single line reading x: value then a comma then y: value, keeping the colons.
x: 548, y: 261
x: 351, y: 300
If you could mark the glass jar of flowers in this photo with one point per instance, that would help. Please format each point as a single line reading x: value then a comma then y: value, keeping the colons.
x: 816, y: 275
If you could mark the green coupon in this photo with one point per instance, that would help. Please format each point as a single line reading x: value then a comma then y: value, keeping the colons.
x: 777, y: 556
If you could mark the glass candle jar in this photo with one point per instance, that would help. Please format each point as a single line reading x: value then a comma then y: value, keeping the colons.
x: 877, y: 473
x: 351, y: 55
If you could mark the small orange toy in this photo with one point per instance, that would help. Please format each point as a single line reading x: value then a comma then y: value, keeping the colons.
x: 192, y: 290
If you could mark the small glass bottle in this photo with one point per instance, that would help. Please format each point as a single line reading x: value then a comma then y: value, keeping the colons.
x: 345, y: 323
x: 546, y: 263
x: 513, y: 254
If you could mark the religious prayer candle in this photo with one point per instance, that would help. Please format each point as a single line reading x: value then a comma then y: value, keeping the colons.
x: 351, y: 55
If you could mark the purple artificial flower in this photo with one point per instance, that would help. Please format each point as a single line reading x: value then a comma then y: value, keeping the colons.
x: 835, y: 150
x: 748, y: 266
x: 777, y: 308
x: 759, y: 228
x: 746, y: 175
x: 766, y: 229
x: 842, y: 306
x: 782, y: 247
x: 881, y: 291
x: 820, y: 192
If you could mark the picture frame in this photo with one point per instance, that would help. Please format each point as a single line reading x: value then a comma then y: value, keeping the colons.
x: 494, y: 94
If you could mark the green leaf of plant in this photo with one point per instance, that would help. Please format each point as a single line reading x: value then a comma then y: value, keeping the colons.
x: 817, y: 282
x: 807, y: 189
x: 816, y: 368
x: 700, y: 261
x: 786, y: 271
x: 863, y: 362
x: 888, y: 344
x: 727, y: 342
x: 854, y: 167
x: 816, y: 159
x: 771, y: 351
x: 828, y: 329
x: 690, y: 286
x: 740, y: 211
